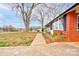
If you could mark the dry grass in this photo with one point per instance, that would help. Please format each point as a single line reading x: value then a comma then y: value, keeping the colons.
x: 17, y: 39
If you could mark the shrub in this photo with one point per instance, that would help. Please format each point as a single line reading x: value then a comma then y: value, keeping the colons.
x: 57, y: 37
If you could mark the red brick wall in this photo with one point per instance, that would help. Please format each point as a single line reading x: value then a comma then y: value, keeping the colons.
x: 71, y: 27
x: 58, y: 32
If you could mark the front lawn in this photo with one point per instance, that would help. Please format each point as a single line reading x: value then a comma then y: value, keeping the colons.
x: 16, y: 39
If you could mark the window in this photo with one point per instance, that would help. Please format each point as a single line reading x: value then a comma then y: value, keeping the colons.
x: 60, y: 24
x: 78, y: 22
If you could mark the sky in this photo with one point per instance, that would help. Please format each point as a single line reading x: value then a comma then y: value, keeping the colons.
x: 8, y: 17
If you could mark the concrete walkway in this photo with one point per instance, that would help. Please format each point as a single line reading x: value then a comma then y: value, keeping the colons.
x: 41, y: 50
x: 39, y: 40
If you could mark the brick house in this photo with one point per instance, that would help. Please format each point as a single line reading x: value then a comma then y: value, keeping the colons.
x: 67, y: 24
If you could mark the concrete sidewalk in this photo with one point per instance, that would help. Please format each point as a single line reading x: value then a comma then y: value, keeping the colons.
x: 39, y: 40
x: 52, y: 49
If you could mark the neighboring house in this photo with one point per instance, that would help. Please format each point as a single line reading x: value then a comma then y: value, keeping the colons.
x: 67, y: 24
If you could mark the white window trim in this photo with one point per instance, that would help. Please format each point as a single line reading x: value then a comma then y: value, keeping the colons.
x: 77, y: 22
x: 58, y: 24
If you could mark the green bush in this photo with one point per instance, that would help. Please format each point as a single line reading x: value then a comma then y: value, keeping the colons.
x: 57, y: 36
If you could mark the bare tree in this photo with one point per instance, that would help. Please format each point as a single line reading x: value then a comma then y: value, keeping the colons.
x: 25, y: 10
x: 54, y: 9
x: 41, y: 14
x: 45, y: 10
x: 8, y: 28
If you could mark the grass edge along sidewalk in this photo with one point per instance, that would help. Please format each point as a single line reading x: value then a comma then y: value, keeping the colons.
x: 17, y: 39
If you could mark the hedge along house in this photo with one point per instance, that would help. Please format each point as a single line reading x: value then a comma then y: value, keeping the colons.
x: 67, y: 24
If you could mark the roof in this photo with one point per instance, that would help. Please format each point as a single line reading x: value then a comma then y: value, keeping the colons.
x: 62, y: 14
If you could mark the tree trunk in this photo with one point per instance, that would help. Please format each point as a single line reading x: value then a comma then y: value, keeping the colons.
x: 25, y: 18
x: 42, y: 25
